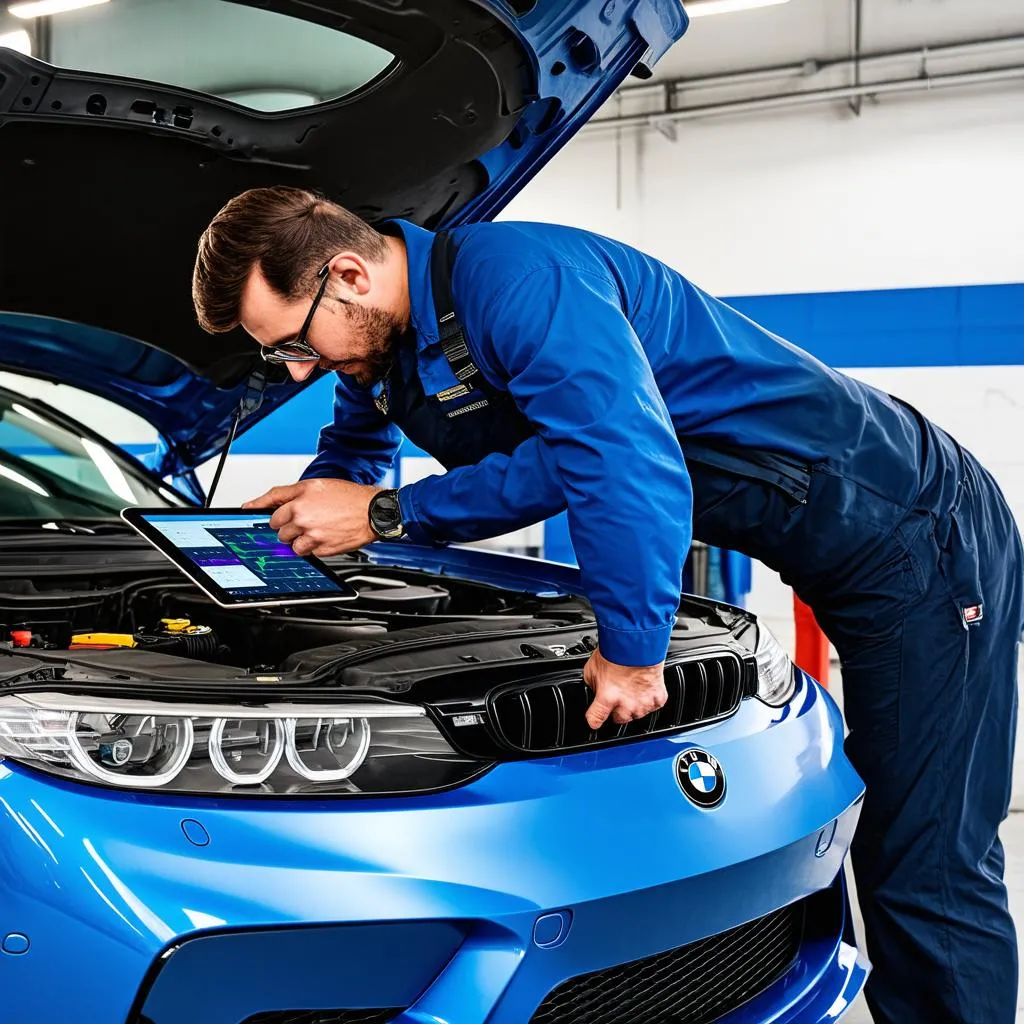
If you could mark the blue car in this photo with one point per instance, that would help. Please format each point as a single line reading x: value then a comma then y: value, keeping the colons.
x: 392, y: 810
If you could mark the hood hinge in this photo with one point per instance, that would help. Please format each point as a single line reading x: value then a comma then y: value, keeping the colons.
x: 185, y: 454
x: 251, y: 400
x: 252, y: 396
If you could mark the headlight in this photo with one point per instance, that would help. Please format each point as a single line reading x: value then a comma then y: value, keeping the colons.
x: 776, y: 679
x: 271, y: 750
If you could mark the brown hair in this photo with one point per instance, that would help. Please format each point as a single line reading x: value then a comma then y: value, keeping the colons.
x: 289, y: 233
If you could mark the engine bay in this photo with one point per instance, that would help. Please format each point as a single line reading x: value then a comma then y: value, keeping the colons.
x: 158, y: 611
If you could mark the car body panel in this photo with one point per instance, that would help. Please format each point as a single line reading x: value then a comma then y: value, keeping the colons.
x: 605, y: 835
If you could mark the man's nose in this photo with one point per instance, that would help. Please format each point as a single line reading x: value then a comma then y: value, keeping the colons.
x: 300, y: 371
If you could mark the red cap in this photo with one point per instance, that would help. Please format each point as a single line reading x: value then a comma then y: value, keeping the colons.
x: 21, y: 637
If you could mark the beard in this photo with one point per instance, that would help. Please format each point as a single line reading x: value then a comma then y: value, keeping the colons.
x: 379, y: 332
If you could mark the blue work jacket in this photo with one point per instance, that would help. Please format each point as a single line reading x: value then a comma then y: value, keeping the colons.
x: 613, y: 357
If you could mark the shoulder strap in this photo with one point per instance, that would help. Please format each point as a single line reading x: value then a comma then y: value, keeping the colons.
x: 450, y: 331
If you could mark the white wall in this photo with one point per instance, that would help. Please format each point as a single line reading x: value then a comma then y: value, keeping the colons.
x: 921, y: 191
x: 918, y: 192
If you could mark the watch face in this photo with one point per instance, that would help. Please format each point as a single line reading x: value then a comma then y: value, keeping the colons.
x: 385, y: 513
x: 386, y: 508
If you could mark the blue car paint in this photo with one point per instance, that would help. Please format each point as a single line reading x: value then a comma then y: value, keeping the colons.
x: 514, y: 572
x: 111, y: 881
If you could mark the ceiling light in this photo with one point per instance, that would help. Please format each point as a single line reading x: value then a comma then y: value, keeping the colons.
x: 701, y: 8
x: 41, y: 8
x: 19, y: 41
x: 272, y: 100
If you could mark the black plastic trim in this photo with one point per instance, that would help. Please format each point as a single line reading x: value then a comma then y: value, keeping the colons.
x: 561, y: 697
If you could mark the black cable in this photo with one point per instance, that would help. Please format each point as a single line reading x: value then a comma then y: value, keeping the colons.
x: 223, y: 457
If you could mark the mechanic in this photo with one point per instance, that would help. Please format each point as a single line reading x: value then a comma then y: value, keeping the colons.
x: 548, y: 368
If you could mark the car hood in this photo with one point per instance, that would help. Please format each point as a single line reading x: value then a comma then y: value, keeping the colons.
x: 110, y: 180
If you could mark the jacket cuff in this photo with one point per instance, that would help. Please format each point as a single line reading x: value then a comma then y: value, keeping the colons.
x: 414, y: 522
x: 315, y: 472
x: 634, y: 647
x: 324, y: 466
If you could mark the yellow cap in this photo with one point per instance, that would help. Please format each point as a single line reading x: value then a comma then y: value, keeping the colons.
x: 176, y: 625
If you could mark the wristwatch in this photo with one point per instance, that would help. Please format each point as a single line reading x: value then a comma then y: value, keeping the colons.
x: 386, y: 515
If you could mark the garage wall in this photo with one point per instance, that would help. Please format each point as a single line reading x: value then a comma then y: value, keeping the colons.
x: 884, y: 218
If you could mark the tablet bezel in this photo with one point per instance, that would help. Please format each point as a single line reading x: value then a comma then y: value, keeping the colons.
x: 135, y: 518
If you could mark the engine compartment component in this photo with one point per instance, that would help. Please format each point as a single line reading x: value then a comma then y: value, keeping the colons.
x: 175, y: 636
x: 126, y: 616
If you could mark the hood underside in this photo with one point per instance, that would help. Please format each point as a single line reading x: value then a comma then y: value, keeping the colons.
x: 116, y: 177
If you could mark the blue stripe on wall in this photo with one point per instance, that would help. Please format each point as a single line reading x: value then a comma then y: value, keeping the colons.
x: 979, y: 325
x: 975, y: 326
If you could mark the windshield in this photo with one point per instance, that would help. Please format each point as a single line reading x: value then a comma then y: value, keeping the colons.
x: 49, y: 472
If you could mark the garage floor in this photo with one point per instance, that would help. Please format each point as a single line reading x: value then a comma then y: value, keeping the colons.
x: 1013, y: 840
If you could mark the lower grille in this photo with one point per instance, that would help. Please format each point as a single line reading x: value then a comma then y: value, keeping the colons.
x: 323, y: 1017
x: 548, y: 716
x: 695, y: 984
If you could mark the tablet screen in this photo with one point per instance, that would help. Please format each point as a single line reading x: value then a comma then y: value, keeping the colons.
x: 240, y: 556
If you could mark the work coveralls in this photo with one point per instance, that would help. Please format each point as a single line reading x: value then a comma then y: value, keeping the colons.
x: 571, y: 371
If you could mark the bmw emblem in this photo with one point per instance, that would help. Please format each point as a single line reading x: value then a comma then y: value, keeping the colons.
x: 700, y: 777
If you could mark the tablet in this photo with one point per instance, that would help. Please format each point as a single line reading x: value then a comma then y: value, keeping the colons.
x: 236, y: 558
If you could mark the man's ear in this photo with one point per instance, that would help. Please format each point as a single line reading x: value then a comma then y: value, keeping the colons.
x: 352, y: 271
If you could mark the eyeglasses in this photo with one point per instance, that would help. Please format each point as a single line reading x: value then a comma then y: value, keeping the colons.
x: 299, y: 350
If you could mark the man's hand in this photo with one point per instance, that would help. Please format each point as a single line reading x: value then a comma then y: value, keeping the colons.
x: 320, y: 517
x: 622, y: 691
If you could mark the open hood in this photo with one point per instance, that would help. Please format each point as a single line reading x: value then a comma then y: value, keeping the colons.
x: 145, y: 116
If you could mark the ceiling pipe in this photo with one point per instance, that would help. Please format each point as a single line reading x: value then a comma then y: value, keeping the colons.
x: 973, y: 48
x: 858, y: 55
x: 799, y: 99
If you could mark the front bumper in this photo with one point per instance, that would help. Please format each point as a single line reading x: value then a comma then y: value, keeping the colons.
x: 463, y: 907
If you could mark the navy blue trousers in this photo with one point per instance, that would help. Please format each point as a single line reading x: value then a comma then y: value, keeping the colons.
x: 930, y: 695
